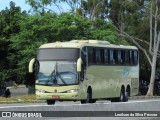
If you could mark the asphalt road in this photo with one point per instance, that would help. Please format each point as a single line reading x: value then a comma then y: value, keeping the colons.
x: 132, y: 105
x: 71, y: 103
x: 20, y: 90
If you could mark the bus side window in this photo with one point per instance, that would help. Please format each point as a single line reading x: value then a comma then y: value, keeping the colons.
x: 131, y: 57
x: 98, y: 57
x: 111, y: 57
x: 115, y: 57
x: 135, y: 57
x: 90, y: 55
x: 94, y: 55
x: 83, y: 56
x: 106, y: 56
x: 102, y: 56
x: 119, y: 57
x: 127, y: 60
x: 122, y: 56
x: 82, y: 73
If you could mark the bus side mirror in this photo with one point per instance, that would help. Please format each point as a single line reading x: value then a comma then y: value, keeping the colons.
x: 79, y: 65
x: 31, y: 64
x: 31, y: 73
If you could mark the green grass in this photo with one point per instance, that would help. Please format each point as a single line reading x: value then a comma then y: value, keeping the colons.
x: 19, y: 98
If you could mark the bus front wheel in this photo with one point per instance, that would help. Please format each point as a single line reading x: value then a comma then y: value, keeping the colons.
x: 50, y: 102
x: 88, y: 98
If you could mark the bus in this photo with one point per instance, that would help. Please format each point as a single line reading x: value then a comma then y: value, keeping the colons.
x: 86, y: 71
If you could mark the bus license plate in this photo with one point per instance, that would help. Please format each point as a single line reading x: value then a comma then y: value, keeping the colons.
x: 55, y: 97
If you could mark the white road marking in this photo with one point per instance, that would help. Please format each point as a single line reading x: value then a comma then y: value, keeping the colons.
x: 143, y: 101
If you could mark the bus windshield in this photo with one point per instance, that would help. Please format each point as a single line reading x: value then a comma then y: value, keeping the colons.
x: 57, y: 73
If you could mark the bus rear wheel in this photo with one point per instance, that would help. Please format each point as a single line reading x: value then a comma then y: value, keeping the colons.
x: 122, y: 98
x: 124, y: 95
x: 50, y: 102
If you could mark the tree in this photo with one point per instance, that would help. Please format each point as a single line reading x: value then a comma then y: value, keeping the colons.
x: 9, y: 20
x: 153, y: 44
x: 21, y: 34
x: 86, y: 8
x: 3, y: 59
x: 41, y: 6
x: 93, y: 9
x: 9, y: 25
x: 38, y: 29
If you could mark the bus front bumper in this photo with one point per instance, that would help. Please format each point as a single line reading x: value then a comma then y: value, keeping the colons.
x: 57, y: 96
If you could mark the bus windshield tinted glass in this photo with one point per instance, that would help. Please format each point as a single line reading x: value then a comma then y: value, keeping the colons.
x: 58, y: 54
x: 57, y: 73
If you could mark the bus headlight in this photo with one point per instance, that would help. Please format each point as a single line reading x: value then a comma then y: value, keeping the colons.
x: 40, y: 91
x: 73, y: 90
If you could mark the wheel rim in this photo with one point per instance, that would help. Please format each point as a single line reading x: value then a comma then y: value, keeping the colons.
x: 122, y: 96
x: 126, y: 96
x: 88, y: 99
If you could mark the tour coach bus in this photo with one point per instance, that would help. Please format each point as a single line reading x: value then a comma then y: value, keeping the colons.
x: 85, y: 70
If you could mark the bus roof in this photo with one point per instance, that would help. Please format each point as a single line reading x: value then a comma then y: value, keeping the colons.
x: 81, y: 43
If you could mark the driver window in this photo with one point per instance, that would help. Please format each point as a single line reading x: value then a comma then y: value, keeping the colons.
x: 82, y: 73
x: 83, y: 56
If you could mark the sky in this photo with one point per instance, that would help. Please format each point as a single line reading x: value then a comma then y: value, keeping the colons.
x: 21, y: 3
x: 25, y: 6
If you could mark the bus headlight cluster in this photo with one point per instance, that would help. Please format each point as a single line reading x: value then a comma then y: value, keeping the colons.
x: 40, y: 91
x: 73, y: 90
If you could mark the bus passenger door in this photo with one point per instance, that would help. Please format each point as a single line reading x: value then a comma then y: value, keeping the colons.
x: 82, y: 80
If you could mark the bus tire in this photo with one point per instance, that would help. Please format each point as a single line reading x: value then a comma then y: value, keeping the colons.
x: 126, y: 97
x: 122, y: 95
x: 88, y: 97
x: 93, y: 101
x: 50, y: 102
x: 127, y: 94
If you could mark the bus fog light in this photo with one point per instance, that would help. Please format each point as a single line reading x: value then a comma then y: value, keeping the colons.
x: 40, y: 91
x: 73, y: 90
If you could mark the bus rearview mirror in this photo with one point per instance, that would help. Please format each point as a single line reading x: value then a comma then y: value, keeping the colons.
x: 31, y: 64
x: 79, y: 67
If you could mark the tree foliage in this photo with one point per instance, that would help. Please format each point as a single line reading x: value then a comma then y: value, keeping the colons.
x: 9, y: 25
x: 139, y: 22
x: 86, y: 8
x: 21, y: 34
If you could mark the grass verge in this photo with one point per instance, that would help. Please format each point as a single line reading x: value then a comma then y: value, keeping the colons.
x: 19, y: 99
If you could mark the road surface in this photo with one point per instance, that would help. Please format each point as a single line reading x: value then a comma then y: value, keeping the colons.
x: 133, y: 106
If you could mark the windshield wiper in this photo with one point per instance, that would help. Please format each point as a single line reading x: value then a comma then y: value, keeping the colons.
x: 61, y: 78
x: 55, y: 74
x: 51, y: 75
